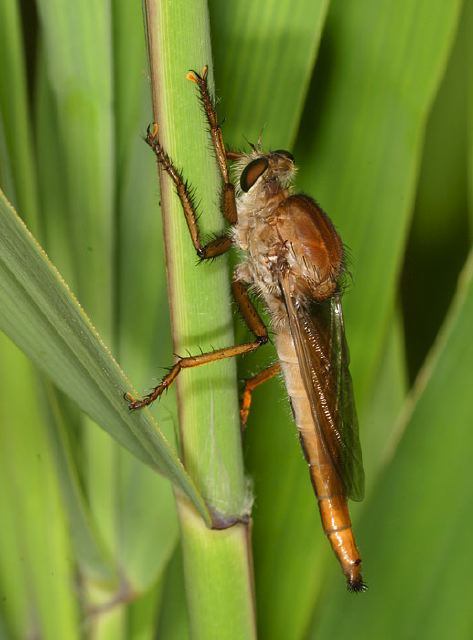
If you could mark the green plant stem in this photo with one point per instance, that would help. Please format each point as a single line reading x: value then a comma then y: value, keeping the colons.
x: 218, y: 574
x: 216, y: 563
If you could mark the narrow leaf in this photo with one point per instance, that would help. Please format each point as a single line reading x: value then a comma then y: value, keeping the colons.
x: 40, y: 314
x: 419, y: 567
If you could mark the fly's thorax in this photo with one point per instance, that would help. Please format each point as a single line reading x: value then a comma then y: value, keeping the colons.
x: 314, y: 249
x: 281, y: 231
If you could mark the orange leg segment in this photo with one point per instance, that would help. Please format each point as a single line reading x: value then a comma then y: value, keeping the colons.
x: 229, y: 206
x: 188, y: 363
x: 256, y: 326
x: 250, y: 386
x: 214, y: 248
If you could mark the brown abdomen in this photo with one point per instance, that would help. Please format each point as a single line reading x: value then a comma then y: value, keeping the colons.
x: 328, y: 488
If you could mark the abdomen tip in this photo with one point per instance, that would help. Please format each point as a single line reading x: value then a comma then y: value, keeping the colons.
x: 357, y: 585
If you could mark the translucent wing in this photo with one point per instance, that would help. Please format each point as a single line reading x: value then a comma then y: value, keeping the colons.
x: 319, y: 338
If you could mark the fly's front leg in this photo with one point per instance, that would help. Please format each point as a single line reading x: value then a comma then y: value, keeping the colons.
x: 222, y: 243
x: 216, y: 247
x: 228, y: 204
x: 253, y: 321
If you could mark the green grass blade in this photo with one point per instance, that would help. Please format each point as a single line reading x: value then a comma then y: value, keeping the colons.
x: 91, y: 552
x: 198, y: 296
x: 264, y: 55
x: 52, y: 184
x: 264, y: 58
x: 143, y: 614
x: 148, y: 527
x: 35, y: 553
x: 362, y: 173
x: 389, y: 394
x: 416, y: 562
x: 35, y: 302
x: 368, y: 89
x: 77, y: 93
x: 440, y: 226
x: 76, y: 39
x: 219, y: 594
x: 217, y: 565
x: 413, y: 527
x: 77, y: 43
x: 17, y: 161
x: 467, y: 22
x: 173, y: 623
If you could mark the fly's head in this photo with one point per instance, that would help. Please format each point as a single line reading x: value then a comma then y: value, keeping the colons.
x: 263, y: 175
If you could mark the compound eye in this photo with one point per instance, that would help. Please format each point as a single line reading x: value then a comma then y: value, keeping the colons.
x: 286, y: 154
x: 252, y: 172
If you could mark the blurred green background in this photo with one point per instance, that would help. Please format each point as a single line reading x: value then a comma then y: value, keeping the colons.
x: 375, y: 98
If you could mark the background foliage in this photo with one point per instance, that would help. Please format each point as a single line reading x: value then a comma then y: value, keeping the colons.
x: 375, y: 99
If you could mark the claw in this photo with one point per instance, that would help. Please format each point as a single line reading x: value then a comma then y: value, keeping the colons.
x: 193, y: 76
x: 132, y: 401
x: 152, y: 131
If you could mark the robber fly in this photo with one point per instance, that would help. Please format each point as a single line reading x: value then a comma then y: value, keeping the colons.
x: 293, y: 258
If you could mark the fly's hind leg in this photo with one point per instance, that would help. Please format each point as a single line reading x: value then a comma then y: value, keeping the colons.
x: 250, y: 386
x: 256, y: 326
